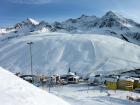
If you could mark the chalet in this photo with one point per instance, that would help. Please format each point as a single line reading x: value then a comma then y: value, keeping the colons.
x: 70, y: 77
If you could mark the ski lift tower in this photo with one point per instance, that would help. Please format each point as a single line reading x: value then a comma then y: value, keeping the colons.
x: 30, y: 48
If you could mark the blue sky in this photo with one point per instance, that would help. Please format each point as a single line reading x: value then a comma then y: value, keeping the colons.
x: 13, y: 11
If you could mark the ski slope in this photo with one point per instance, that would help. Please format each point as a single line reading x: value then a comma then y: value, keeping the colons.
x: 15, y: 91
x: 54, y: 53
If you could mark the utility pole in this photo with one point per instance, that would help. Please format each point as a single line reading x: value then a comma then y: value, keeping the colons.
x: 30, y: 47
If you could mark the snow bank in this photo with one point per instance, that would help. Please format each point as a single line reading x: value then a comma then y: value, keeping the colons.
x: 15, y: 91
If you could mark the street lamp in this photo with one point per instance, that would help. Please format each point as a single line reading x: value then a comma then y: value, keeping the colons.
x: 30, y: 47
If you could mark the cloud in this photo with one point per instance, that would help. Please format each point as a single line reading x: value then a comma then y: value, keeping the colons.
x: 33, y: 1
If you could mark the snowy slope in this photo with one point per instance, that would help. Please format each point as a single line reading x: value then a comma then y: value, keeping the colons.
x: 54, y: 53
x: 15, y: 91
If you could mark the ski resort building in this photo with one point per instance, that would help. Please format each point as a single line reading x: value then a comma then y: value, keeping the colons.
x: 29, y: 78
x: 136, y: 82
x: 96, y: 79
x: 126, y: 83
x: 111, y: 83
x: 70, y: 78
x: 115, y: 82
x: 43, y: 79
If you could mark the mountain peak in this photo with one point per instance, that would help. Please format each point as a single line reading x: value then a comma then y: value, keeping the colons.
x: 83, y: 15
x: 114, y: 15
x: 31, y: 21
x: 110, y: 14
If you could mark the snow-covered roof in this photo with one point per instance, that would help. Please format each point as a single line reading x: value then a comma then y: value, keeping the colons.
x: 70, y: 73
x: 126, y: 78
x: 77, y: 77
x: 15, y: 91
x: 111, y: 79
x: 135, y: 78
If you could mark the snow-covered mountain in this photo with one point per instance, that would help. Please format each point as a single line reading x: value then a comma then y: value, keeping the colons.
x: 86, y: 44
x: 110, y: 24
x: 54, y: 53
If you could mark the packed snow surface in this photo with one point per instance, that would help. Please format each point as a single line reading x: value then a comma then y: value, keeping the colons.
x: 54, y: 53
x: 82, y: 94
x: 15, y: 91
